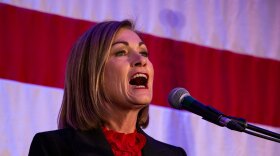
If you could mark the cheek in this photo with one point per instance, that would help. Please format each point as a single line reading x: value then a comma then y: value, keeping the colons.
x: 114, y: 69
x: 110, y: 70
x: 114, y: 74
x: 108, y: 75
x: 151, y: 69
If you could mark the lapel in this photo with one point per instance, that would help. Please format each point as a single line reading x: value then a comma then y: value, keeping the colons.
x: 92, y: 142
x: 152, y: 147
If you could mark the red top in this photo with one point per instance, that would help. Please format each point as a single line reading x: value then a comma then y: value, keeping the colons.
x: 125, y: 144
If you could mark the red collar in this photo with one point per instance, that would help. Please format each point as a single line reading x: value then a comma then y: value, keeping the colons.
x: 125, y: 144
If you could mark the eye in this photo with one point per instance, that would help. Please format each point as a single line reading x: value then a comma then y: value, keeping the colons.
x: 120, y: 53
x: 144, y: 53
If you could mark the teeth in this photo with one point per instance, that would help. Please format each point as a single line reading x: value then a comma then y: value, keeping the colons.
x: 139, y: 75
x: 140, y: 87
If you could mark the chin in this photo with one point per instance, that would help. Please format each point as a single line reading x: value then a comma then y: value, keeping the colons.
x: 143, y: 101
x: 139, y: 106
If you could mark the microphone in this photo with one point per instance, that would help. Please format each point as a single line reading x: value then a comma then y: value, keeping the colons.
x: 180, y: 98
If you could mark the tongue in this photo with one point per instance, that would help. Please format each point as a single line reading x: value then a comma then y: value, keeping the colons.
x: 139, y: 81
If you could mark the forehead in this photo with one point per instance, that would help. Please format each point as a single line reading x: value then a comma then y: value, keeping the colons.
x: 125, y: 34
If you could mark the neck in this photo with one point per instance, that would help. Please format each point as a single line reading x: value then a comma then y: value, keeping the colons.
x: 122, y: 121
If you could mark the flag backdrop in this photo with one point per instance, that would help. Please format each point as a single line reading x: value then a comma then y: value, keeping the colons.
x: 225, y: 53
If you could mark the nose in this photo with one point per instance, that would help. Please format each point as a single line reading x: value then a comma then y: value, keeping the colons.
x: 139, y: 61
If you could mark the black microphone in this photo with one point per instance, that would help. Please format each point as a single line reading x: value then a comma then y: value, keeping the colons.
x: 180, y: 98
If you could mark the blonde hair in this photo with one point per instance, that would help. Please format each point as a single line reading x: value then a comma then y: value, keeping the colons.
x: 84, y: 91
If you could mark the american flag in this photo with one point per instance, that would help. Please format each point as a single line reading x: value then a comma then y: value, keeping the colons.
x: 225, y: 53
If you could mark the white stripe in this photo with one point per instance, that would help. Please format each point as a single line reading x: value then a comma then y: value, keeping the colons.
x: 26, y: 109
x: 199, y: 137
x: 246, y: 27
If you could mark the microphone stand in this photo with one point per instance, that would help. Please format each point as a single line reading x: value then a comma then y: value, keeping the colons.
x: 240, y: 124
x: 254, y: 130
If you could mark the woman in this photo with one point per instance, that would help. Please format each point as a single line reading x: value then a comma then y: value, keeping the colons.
x: 106, y: 98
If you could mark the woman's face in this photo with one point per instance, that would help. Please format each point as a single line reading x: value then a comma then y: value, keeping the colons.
x: 129, y: 74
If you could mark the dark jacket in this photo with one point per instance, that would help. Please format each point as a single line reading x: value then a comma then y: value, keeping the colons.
x: 70, y: 142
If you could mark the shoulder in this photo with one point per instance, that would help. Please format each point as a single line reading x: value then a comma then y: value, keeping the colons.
x: 51, y: 142
x: 55, y: 134
x: 54, y: 137
x: 70, y: 142
x: 164, y: 148
x: 154, y: 147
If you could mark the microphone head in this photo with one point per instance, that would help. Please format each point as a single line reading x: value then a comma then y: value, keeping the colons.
x: 176, y: 96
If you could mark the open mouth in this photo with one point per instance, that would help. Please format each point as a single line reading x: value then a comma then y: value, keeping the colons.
x: 139, y: 80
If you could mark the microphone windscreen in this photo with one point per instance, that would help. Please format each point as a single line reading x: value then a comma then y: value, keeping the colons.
x: 176, y: 96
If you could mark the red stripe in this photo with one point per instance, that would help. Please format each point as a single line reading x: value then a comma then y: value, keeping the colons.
x: 238, y: 85
x: 34, y: 47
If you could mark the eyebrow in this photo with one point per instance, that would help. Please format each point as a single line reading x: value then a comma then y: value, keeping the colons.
x: 126, y: 43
